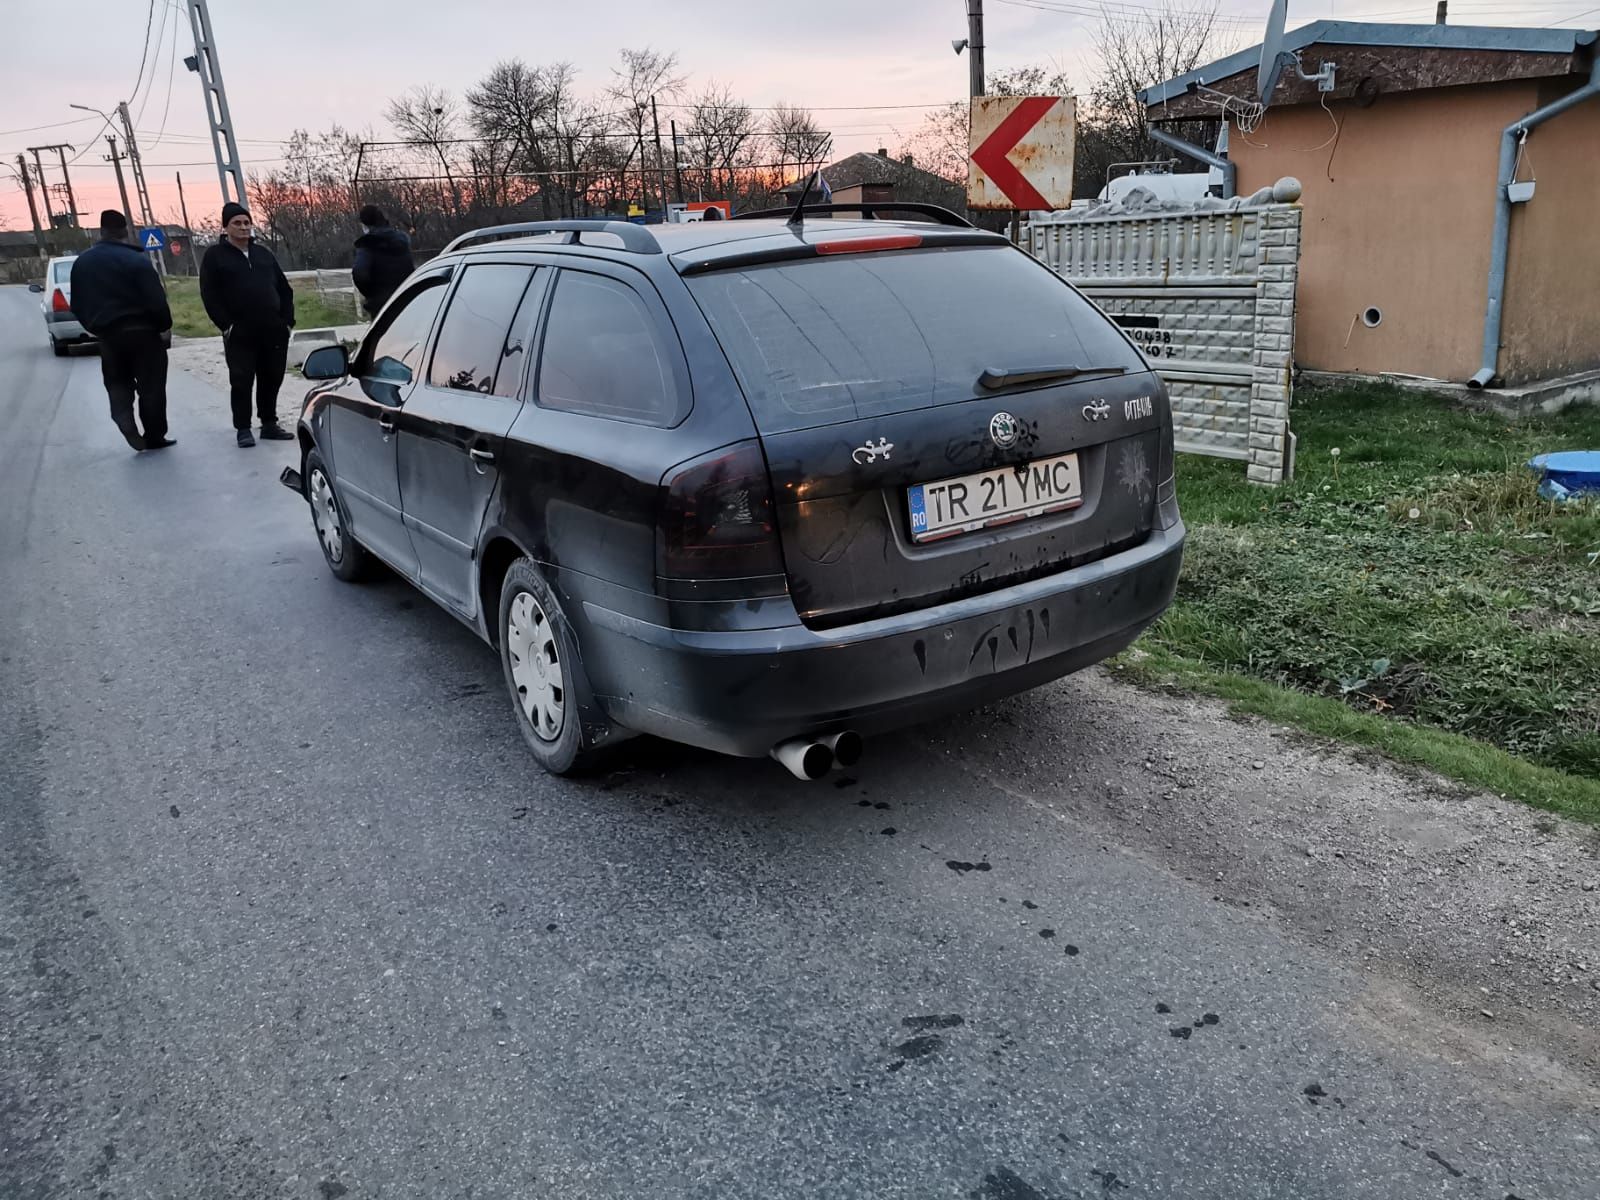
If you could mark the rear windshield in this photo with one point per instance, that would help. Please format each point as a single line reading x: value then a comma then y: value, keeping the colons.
x: 61, y: 272
x: 823, y: 340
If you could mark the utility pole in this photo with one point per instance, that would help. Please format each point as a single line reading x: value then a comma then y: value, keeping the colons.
x: 661, y: 170
x: 205, y: 64
x: 975, y: 45
x: 44, y: 186
x: 677, y: 160
x: 33, y: 211
x: 183, y: 207
x: 72, y: 201
x: 147, y: 210
x: 61, y: 149
x: 116, y: 161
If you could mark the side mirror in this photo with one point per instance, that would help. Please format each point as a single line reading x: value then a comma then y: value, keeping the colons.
x: 326, y: 362
x: 389, y: 370
x: 36, y: 287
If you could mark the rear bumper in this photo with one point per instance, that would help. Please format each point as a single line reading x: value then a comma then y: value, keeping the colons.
x: 64, y: 327
x: 742, y: 693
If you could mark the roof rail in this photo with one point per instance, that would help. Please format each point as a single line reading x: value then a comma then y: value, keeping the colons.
x: 635, y: 238
x: 869, y: 209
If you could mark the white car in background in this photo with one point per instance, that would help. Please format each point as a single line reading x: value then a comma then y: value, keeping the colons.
x: 59, y: 322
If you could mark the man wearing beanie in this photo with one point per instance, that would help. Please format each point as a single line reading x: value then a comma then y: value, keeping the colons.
x: 383, y: 259
x: 247, y: 297
x: 117, y: 296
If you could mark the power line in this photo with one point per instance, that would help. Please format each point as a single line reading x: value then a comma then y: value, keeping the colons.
x: 172, y: 66
x: 52, y: 125
x: 161, y: 37
x: 149, y: 20
x: 1140, y: 12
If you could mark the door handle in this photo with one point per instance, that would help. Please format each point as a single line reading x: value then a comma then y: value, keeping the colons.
x: 386, y: 423
x: 481, y: 458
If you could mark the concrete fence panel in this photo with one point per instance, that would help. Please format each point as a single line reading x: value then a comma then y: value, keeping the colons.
x: 1209, y: 296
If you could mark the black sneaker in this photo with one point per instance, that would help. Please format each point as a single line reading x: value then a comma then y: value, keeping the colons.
x: 246, y: 440
x: 160, y: 443
x: 273, y: 432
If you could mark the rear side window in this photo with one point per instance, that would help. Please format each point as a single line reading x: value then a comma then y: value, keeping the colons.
x: 471, y: 345
x: 822, y: 340
x: 61, y: 272
x: 602, y: 354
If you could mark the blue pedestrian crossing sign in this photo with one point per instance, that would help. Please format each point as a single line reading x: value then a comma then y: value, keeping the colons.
x: 152, y: 239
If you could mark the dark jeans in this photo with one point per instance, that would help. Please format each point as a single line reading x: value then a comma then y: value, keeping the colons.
x: 134, y: 360
x: 256, y: 357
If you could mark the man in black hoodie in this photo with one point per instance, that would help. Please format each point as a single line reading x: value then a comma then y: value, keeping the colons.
x: 247, y: 297
x: 383, y: 259
x: 117, y: 296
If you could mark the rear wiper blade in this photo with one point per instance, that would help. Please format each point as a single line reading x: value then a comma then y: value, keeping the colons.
x: 1000, y: 377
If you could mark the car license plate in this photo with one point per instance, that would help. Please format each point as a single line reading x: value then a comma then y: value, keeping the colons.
x: 996, y: 497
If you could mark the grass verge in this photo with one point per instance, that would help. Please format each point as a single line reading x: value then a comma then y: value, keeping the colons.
x: 1409, y: 585
x: 1449, y: 754
x: 312, y: 310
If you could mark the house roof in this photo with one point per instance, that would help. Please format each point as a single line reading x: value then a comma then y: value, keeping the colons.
x: 1563, y: 44
x: 868, y: 168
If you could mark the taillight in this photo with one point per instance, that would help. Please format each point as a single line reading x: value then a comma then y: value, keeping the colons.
x: 1166, y: 476
x: 717, y: 525
x: 58, y: 302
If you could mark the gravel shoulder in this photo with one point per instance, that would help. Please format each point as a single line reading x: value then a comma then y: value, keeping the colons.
x: 1459, y: 904
x: 202, y: 358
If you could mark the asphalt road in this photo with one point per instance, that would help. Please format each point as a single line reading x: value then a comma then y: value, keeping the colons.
x: 286, y: 911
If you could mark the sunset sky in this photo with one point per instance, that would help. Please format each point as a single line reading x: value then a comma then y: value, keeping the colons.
x: 870, y: 71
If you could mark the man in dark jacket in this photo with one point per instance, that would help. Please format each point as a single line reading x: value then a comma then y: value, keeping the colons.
x: 383, y: 259
x: 247, y: 297
x: 117, y: 296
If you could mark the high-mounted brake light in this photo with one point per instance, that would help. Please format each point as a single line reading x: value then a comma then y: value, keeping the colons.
x: 865, y: 245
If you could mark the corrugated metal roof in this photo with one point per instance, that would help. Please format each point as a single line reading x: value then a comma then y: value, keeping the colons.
x: 1366, y: 33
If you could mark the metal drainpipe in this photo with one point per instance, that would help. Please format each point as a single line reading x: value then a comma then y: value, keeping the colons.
x: 1201, y: 154
x: 1494, y: 312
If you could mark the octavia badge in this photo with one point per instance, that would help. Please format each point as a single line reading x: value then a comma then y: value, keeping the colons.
x: 1004, y: 430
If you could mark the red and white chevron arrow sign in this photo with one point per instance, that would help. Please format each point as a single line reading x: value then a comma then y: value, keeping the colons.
x: 1022, y: 150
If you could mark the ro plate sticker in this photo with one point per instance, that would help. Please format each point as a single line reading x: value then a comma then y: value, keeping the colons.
x: 919, y: 510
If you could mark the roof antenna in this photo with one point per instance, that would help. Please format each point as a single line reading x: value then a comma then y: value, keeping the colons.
x: 797, y: 217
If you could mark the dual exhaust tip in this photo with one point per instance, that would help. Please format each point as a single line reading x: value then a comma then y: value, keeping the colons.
x: 810, y: 759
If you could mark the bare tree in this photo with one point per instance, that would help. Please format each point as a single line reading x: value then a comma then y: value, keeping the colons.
x: 795, y: 137
x: 1138, y: 49
x: 430, y: 117
x: 309, y: 203
x: 644, y: 77
x: 722, y: 140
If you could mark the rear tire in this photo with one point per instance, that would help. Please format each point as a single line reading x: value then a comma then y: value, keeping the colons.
x: 346, y: 558
x: 544, y: 674
x: 61, y: 348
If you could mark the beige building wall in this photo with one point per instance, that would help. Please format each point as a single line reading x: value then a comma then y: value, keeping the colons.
x: 1398, y: 211
x: 1552, y: 309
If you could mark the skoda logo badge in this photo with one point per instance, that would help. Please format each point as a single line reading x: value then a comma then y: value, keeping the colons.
x: 1004, y: 430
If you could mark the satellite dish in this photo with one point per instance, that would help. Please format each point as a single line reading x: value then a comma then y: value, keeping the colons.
x: 1271, y: 51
